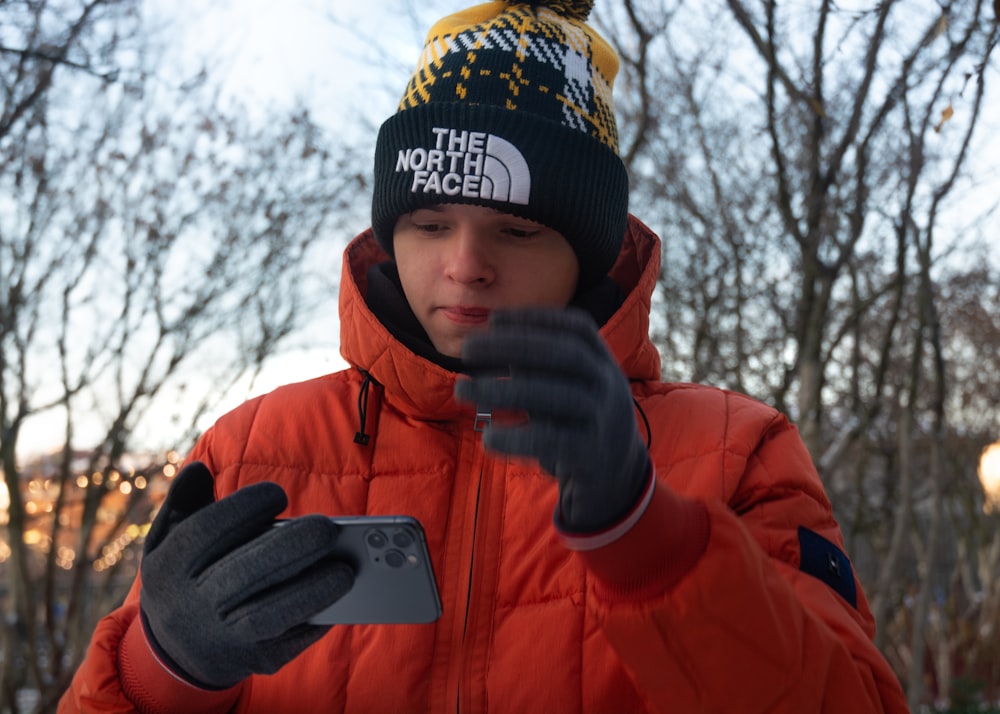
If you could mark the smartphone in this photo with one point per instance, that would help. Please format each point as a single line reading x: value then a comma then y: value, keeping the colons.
x: 393, y: 575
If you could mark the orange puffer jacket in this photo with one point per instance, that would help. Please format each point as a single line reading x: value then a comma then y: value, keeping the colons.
x: 761, y: 614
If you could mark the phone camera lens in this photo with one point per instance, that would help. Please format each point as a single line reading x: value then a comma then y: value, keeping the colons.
x: 395, y: 559
x: 402, y: 538
x: 377, y: 539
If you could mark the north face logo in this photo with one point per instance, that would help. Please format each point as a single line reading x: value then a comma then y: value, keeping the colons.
x: 472, y: 164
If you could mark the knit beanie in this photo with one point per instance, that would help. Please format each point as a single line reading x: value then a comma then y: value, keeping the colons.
x: 510, y: 107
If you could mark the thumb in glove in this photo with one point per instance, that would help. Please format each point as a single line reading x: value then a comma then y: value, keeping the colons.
x: 553, y: 366
x: 224, y: 593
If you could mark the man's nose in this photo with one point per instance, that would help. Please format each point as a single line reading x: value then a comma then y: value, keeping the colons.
x: 468, y: 260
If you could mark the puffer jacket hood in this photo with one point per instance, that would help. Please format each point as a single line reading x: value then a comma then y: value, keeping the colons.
x: 424, y: 390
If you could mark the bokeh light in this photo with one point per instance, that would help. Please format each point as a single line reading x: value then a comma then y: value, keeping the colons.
x: 989, y: 477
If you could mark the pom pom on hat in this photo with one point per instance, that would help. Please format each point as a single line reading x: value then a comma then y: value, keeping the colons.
x: 511, y: 107
x: 574, y: 10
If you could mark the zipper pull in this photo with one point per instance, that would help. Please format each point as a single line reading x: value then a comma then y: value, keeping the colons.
x: 483, y: 420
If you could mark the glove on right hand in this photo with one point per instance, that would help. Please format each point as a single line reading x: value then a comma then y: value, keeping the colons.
x: 553, y: 366
x: 224, y: 593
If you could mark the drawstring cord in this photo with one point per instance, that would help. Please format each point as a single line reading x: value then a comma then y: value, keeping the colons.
x: 649, y: 432
x: 361, y: 436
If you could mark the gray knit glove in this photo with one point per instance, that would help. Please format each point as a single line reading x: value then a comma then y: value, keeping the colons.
x: 553, y: 366
x: 224, y: 594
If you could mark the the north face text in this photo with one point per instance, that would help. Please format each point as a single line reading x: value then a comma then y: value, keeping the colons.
x: 472, y: 164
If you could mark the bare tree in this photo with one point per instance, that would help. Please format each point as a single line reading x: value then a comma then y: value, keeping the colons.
x: 147, y: 233
x: 808, y: 166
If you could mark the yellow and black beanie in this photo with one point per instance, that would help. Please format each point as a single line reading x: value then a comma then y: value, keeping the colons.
x: 510, y: 107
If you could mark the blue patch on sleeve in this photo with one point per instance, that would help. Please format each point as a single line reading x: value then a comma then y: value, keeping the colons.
x: 824, y: 560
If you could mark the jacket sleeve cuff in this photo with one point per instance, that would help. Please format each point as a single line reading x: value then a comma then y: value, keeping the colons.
x: 599, y: 539
x: 651, y: 550
x: 154, y: 689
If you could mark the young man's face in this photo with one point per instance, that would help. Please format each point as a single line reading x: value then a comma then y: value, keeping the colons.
x: 458, y: 262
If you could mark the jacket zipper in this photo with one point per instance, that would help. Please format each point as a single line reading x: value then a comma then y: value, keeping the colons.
x: 482, y: 420
x: 468, y: 596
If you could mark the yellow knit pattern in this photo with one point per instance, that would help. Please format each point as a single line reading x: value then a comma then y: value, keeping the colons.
x: 542, y: 60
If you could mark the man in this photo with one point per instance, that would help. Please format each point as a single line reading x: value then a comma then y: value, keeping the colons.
x: 602, y: 541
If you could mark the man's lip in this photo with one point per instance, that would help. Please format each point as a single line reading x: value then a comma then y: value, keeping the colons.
x: 466, y: 314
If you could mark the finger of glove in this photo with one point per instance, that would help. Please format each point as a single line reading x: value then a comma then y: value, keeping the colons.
x: 292, y: 603
x: 570, y: 325
x: 508, y: 351
x: 219, y: 528
x: 545, y: 396
x: 271, y: 557
x: 192, y: 490
x: 288, y: 569
x: 272, y: 655
x: 556, y: 445
x: 566, y: 321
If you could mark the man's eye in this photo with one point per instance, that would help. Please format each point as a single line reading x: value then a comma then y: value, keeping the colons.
x: 428, y: 227
x: 523, y: 233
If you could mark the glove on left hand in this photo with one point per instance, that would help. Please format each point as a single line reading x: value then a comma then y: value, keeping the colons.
x: 553, y: 365
x: 225, y: 594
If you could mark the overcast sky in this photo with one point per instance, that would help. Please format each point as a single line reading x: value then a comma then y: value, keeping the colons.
x: 341, y: 56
